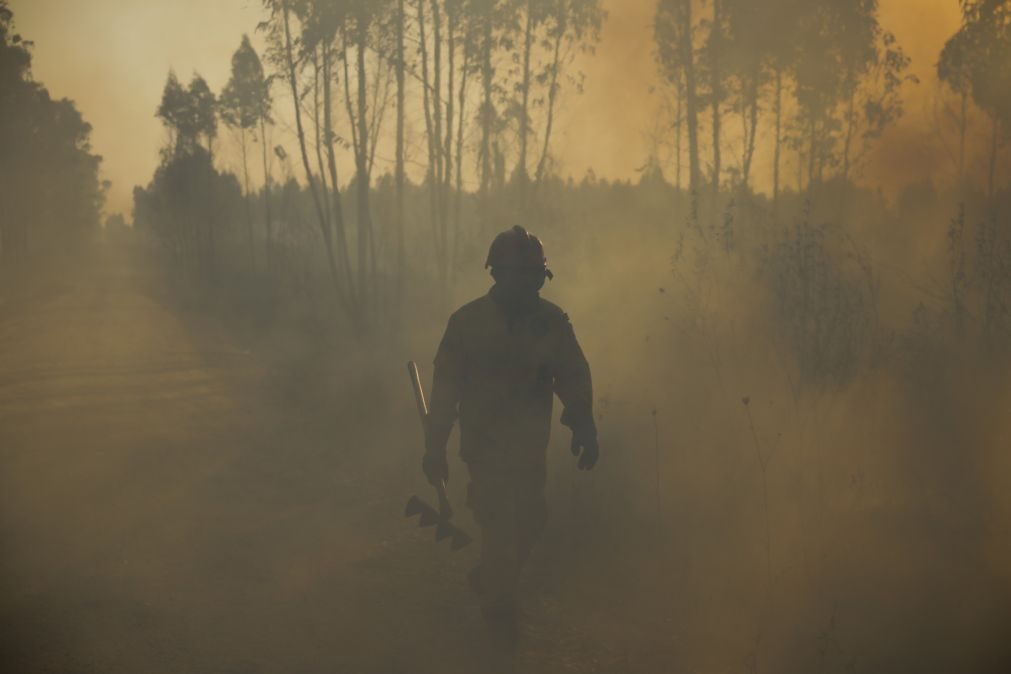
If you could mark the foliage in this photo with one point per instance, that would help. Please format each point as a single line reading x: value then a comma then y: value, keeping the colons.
x: 189, y: 114
x: 825, y: 303
x: 246, y: 99
x: 49, y: 182
x: 189, y: 207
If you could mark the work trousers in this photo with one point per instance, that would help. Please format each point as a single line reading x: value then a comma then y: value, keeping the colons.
x: 509, y: 505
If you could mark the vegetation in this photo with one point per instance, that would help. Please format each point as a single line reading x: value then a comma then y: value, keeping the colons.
x: 769, y: 324
x: 49, y: 183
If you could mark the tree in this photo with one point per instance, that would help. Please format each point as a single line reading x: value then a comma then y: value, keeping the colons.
x: 715, y: 77
x: 953, y: 69
x: 848, y: 74
x: 304, y: 47
x: 245, y: 104
x: 400, y: 174
x: 448, y: 34
x: 184, y: 205
x: 977, y: 59
x: 759, y: 50
x: 204, y: 111
x: 49, y: 184
x: 573, y: 27
x: 189, y: 114
x: 181, y: 203
x: 674, y: 32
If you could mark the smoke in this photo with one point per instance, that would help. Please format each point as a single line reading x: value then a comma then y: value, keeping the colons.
x: 804, y: 449
x: 112, y: 58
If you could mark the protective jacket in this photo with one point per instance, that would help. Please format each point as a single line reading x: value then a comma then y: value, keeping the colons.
x: 497, y: 369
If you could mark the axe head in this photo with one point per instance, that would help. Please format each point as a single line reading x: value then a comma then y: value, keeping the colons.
x: 430, y: 517
x: 415, y: 506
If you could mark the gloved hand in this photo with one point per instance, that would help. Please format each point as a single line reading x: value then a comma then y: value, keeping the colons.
x: 584, y: 445
x: 435, y: 467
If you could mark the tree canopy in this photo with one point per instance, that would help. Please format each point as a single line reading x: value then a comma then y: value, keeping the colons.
x: 49, y: 176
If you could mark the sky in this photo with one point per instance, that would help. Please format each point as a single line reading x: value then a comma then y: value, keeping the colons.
x: 112, y: 57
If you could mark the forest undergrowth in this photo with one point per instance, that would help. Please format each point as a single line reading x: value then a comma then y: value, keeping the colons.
x: 803, y: 421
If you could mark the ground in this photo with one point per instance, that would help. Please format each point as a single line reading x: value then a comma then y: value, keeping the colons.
x: 169, y: 503
x: 178, y: 496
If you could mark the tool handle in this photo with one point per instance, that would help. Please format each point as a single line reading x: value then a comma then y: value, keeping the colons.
x: 419, y: 392
x: 419, y: 397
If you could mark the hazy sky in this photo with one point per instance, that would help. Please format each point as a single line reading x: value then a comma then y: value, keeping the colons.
x: 112, y: 56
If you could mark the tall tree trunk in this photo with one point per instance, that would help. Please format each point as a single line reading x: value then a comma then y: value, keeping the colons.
x: 338, y: 223
x: 487, y: 76
x: 292, y: 74
x: 779, y: 138
x: 447, y: 151
x: 400, y: 177
x: 363, y: 181
x: 245, y: 199
x: 437, y: 98
x: 678, y: 126
x: 268, y: 212
x: 447, y: 180
x: 994, y: 146
x: 813, y: 154
x: 962, y: 130
x: 458, y: 193
x: 717, y: 91
x: 552, y: 98
x: 320, y: 78
x: 848, y: 141
x: 751, y: 126
x: 521, y: 164
x: 691, y: 103
x: 432, y: 103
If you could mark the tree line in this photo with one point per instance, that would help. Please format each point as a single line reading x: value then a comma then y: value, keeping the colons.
x: 457, y: 100
x: 824, y: 75
x: 484, y: 76
x: 50, y: 191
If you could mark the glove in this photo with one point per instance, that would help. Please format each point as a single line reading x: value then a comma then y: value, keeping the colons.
x: 435, y: 467
x: 584, y: 445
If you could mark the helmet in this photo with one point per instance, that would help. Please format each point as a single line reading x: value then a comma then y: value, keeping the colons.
x: 517, y: 248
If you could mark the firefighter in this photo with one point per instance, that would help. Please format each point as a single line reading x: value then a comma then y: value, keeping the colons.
x: 502, y: 360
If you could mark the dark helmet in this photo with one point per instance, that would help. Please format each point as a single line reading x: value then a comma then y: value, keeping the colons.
x: 517, y: 248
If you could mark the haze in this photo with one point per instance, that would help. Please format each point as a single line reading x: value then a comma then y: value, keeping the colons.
x: 111, y: 56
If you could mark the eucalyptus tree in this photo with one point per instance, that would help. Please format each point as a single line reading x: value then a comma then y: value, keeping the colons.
x: 400, y: 158
x: 954, y: 70
x: 674, y: 32
x: 332, y: 55
x: 291, y: 53
x: 848, y: 75
x: 715, y: 77
x: 760, y: 52
x: 494, y: 29
x: 572, y: 27
x: 203, y: 111
x: 361, y: 28
x: 189, y: 113
x: 245, y: 105
x: 450, y: 35
x: 977, y: 60
x: 184, y: 196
